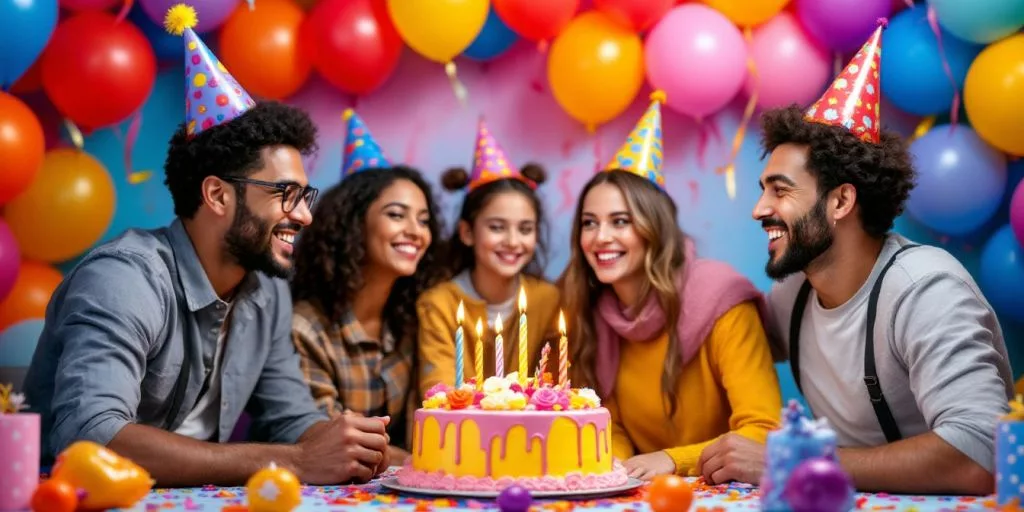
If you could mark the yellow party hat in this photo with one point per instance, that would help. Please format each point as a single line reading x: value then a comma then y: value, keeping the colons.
x: 642, y: 152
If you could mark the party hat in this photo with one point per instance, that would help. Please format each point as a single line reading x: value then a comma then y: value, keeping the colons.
x: 642, y: 152
x: 852, y: 100
x: 361, y: 150
x: 490, y: 162
x: 212, y: 96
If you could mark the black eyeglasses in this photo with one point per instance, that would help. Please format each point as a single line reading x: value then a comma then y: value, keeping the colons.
x: 291, y: 192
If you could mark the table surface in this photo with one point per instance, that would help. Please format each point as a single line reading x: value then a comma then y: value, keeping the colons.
x: 373, y: 497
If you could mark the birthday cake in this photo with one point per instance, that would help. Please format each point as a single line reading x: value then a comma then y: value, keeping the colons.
x: 505, y: 431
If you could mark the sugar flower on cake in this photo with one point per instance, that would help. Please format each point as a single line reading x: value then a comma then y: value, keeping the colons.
x: 504, y: 400
x: 438, y: 400
x: 589, y: 396
x: 460, y: 398
x: 494, y: 385
x: 550, y: 399
x: 440, y: 387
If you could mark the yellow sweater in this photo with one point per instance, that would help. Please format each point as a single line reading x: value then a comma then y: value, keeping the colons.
x: 729, y: 385
x: 436, y: 309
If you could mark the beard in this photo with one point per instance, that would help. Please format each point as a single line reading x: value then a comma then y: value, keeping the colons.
x: 249, y: 243
x: 809, y: 239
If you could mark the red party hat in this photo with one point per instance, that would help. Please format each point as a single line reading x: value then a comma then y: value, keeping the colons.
x: 852, y: 100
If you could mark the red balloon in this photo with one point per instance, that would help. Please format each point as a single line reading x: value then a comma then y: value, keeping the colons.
x: 636, y: 14
x: 352, y: 43
x: 98, y: 71
x: 535, y: 20
x: 22, y: 146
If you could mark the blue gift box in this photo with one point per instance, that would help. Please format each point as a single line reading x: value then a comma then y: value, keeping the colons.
x: 1010, y: 462
x: 797, y: 440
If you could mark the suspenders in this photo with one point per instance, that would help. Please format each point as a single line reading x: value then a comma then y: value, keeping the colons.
x: 882, y: 411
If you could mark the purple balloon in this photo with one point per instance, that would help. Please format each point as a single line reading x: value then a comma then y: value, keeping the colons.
x: 514, y: 498
x: 211, y: 13
x: 842, y: 25
x: 10, y: 260
x: 1016, y: 215
x: 819, y: 485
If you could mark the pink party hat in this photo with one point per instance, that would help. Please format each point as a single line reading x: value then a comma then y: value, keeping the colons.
x: 490, y: 162
x: 212, y: 96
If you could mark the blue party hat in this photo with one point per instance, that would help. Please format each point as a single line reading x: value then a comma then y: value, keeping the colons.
x: 361, y: 150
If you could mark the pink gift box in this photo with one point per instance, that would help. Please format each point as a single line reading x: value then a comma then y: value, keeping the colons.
x: 19, y: 460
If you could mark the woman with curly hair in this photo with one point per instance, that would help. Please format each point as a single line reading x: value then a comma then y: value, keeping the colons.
x: 493, y: 253
x: 371, y: 250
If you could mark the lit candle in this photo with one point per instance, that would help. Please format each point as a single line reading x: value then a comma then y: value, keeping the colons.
x: 524, y: 370
x: 459, y: 349
x: 563, y: 352
x: 478, y: 356
x: 499, y: 351
x: 539, y: 376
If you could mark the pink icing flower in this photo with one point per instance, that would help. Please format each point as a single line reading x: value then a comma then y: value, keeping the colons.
x: 516, y: 387
x: 440, y: 387
x: 478, y: 397
x: 545, y: 399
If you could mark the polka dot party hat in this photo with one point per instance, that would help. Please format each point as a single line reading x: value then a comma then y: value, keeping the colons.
x: 490, y: 162
x: 361, y: 150
x: 212, y: 96
x: 852, y: 100
x: 642, y: 153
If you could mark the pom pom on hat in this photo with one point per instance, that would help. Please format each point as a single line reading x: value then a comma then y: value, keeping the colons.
x: 180, y: 17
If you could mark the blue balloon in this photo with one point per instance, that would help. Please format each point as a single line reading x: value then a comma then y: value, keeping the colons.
x: 914, y: 78
x: 979, y: 21
x: 27, y: 27
x: 1002, y: 274
x: 18, y: 343
x: 494, y: 39
x: 960, y: 180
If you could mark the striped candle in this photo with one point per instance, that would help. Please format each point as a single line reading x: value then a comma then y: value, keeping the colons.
x: 544, y: 353
x: 478, y: 354
x: 459, y: 345
x: 499, y: 350
x: 563, y: 352
x: 524, y: 369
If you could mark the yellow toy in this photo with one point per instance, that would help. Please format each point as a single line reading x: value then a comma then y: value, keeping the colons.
x: 273, y: 489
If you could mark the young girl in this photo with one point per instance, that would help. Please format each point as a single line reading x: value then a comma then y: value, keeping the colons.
x: 493, y: 254
x: 371, y: 250
x: 640, y: 300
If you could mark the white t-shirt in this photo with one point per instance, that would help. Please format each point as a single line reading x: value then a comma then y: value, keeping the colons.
x: 203, y: 421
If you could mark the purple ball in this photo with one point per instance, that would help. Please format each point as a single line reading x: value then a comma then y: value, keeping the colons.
x: 818, y: 485
x: 514, y: 498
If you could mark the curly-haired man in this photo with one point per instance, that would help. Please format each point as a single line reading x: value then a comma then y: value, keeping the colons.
x: 892, y: 342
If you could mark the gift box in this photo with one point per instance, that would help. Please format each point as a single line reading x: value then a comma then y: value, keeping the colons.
x: 19, y: 452
x: 1010, y: 456
x: 797, y: 440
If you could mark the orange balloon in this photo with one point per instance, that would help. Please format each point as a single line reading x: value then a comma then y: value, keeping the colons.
x: 31, y: 292
x: 66, y: 209
x: 21, y: 147
x: 748, y: 13
x: 669, y: 493
x: 261, y: 48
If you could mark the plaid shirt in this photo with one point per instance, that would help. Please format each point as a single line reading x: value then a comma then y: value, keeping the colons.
x: 347, y: 369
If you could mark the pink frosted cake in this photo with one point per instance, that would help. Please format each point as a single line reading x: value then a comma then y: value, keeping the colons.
x: 501, y: 433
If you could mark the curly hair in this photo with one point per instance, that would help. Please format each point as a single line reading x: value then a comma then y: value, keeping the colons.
x: 232, y: 150
x: 883, y: 174
x: 331, y: 253
x: 460, y: 256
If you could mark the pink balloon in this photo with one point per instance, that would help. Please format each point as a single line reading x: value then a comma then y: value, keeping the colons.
x: 1017, y: 213
x: 698, y: 57
x: 791, y: 67
x: 89, y: 5
x: 10, y: 260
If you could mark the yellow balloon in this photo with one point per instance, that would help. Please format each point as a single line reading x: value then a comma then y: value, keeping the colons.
x: 595, y: 68
x: 994, y: 94
x: 438, y: 29
x: 748, y: 13
x: 66, y: 209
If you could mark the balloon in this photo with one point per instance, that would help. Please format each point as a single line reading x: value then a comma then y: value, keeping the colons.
x: 27, y: 27
x: 352, y: 43
x: 211, y: 13
x: 30, y: 81
x: 842, y: 25
x: 514, y: 498
x: 1002, y: 274
x: 1016, y: 214
x: 537, y: 21
x: 980, y: 21
x: 791, y: 66
x: 994, y: 94
x: 166, y: 46
x: 595, y: 68
x: 636, y: 14
x: 493, y: 40
x: 261, y: 48
x: 698, y: 57
x: 914, y: 78
x: 819, y: 485
x: 18, y: 343
x: 21, y: 147
x: 89, y: 5
x: 30, y: 295
x: 98, y: 71
x: 748, y: 12
x: 10, y: 260
x: 961, y: 180
x: 669, y: 493
x: 438, y: 29
x: 67, y: 208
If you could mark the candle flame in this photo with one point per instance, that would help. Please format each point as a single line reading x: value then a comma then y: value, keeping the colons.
x: 497, y: 323
x: 460, y: 313
x: 561, y: 322
x: 479, y: 328
x: 522, y: 300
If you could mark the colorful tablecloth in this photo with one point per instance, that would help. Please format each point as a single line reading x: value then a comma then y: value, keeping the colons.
x: 372, y: 497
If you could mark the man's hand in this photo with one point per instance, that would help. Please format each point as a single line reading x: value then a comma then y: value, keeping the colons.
x: 348, y: 448
x: 650, y: 465
x: 732, y: 457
